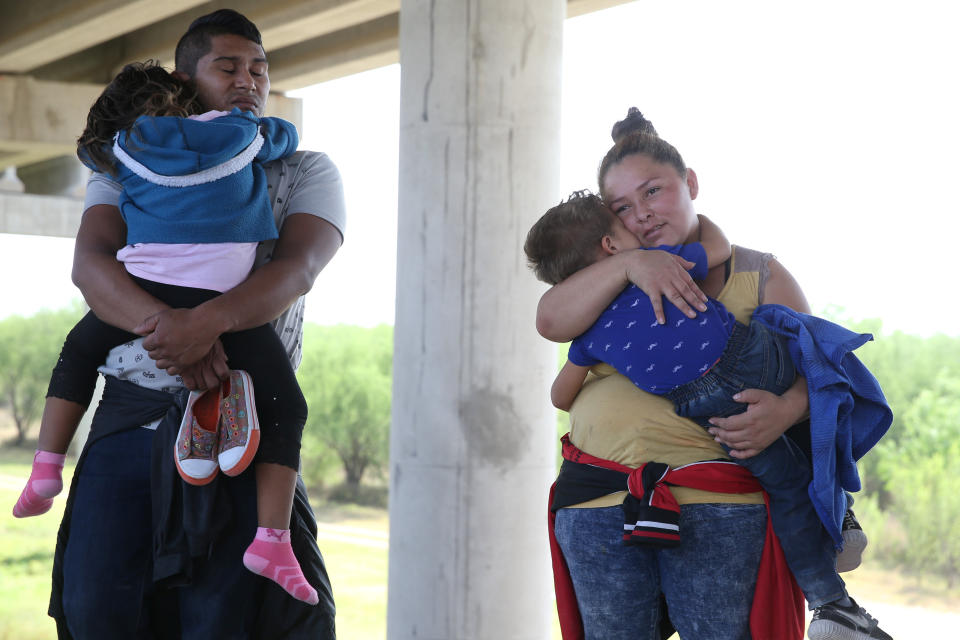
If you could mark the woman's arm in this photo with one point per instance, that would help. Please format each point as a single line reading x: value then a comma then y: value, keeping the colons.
x: 767, y: 416
x: 567, y: 385
x: 569, y: 308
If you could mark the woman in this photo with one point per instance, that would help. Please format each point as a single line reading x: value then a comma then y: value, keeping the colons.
x: 708, y: 580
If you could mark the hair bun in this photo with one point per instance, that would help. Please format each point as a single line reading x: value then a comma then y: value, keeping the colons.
x: 633, y: 123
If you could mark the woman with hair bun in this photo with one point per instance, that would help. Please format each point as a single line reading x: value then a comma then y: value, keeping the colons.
x: 721, y: 576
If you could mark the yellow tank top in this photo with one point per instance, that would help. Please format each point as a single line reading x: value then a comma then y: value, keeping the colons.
x: 613, y: 419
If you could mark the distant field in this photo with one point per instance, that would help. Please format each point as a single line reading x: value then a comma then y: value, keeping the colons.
x: 353, y: 541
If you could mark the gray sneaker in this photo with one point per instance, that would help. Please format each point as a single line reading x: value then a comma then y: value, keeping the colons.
x: 834, y: 622
x: 854, y: 542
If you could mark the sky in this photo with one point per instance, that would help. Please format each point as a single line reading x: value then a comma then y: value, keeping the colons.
x: 824, y: 132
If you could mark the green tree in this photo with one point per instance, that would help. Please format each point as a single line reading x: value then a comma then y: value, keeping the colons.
x: 346, y: 379
x: 29, y: 348
x: 906, y: 366
x: 924, y: 482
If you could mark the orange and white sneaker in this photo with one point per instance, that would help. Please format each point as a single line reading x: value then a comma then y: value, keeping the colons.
x: 239, y: 427
x: 196, y: 450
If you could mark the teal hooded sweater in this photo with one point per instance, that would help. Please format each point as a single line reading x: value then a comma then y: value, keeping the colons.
x: 192, y: 181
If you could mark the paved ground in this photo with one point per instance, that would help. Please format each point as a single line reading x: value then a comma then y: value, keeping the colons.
x: 905, y: 622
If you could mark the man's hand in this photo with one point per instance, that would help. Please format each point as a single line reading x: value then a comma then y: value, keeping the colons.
x: 208, y: 371
x: 767, y: 417
x: 178, y: 338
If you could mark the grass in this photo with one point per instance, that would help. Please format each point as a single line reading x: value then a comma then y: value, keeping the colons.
x: 353, y: 541
x: 357, y: 563
x: 26, y: 555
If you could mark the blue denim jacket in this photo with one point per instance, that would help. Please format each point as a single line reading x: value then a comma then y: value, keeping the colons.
x: 848, y: 412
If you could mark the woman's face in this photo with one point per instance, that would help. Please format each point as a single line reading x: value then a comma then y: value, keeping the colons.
x: 652, y: 200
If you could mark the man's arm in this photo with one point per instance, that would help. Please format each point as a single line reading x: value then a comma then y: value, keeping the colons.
x: 104, y: 282
x: 180, y: 337
x: 115, y: 298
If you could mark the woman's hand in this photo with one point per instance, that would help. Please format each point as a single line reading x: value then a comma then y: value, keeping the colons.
x: 569, y: 308
x: 767, y: 417
x: 664, y: 275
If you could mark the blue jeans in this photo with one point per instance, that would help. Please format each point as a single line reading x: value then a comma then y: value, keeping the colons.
x: 756, y: 358
x: 107, y: 560
x: 708, y: 580
x: 107, y: 591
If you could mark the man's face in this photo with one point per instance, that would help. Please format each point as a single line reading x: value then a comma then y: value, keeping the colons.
x: 233, y: 74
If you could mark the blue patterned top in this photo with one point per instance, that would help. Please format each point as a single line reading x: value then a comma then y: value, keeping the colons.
x: 655, y: 357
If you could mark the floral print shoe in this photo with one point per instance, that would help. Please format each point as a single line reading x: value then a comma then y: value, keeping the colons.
x: 239, y: 427
x: 196, y: 449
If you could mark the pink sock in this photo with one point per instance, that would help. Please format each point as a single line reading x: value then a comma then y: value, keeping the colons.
x: 44, y: 482
x: 271, y: 556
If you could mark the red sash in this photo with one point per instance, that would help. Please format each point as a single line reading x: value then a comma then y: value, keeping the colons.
x: 777, y: 609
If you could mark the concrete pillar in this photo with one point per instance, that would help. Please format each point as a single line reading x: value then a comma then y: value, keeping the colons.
x: 473, y: 437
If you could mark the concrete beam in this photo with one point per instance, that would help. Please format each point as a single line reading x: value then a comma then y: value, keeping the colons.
x: 40, y: 32
x: 60, y: 176
x: 40, y: 120
x: 308, y: 41
x: 26, y: 214
x: 367, y: 46
x: 325, y: 28
x: 359, y: 48
x: 281, y: 23
x: 28, y: 154
x: 579, y: 7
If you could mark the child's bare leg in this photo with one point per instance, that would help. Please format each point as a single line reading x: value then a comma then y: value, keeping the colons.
x: 275, y: 485
x: 57, y: 426
x: 270, y: 553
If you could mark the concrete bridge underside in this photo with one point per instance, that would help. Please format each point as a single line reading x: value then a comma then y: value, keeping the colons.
x: 56, y: 56
x: 472, y: 437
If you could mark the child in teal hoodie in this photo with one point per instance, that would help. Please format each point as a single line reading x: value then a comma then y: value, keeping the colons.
x: 195, y: 204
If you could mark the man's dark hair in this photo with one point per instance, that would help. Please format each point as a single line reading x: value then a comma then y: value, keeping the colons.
x: 195, y: 43
x: 567, y: 237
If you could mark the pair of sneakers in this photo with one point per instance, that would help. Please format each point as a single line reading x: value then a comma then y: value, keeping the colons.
x: 219, y: 431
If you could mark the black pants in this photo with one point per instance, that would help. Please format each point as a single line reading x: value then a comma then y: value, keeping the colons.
x: 141, y: 555
x: 281, y: 408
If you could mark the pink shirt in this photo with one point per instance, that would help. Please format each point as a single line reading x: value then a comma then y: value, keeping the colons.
x: 218, y: 266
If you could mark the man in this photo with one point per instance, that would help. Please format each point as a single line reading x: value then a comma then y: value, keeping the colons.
x: 111, y: 569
